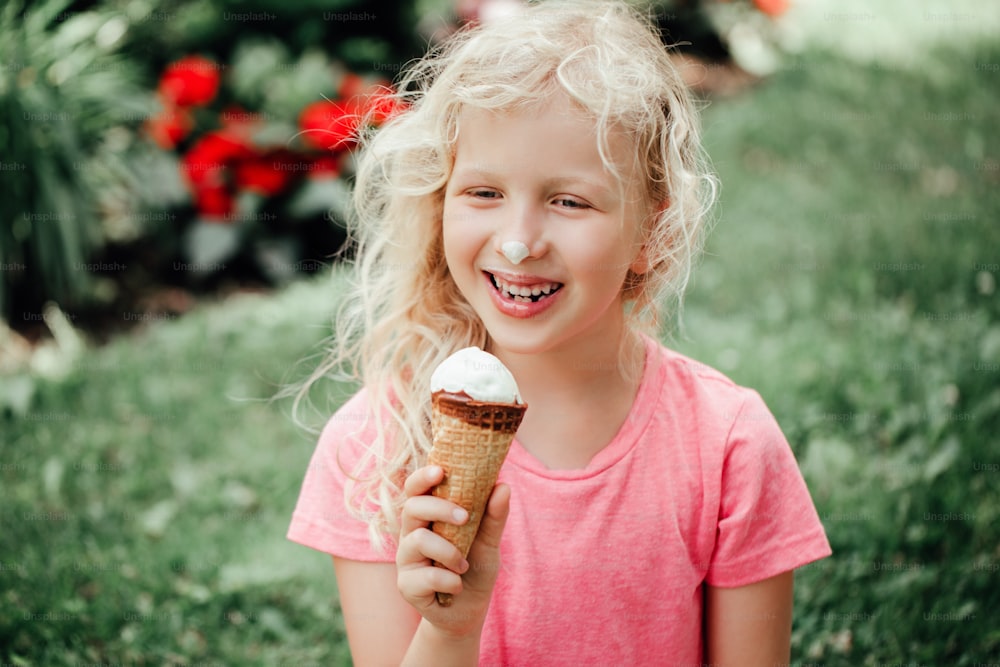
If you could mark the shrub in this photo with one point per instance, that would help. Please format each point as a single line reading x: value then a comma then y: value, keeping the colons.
x: 64, y: 94
x: 260, y: 179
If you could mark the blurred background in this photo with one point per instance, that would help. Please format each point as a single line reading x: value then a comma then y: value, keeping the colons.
x: 174, y: 178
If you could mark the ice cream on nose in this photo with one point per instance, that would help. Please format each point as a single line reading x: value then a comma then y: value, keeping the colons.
x: 515, y: 251
x: 476, y: 410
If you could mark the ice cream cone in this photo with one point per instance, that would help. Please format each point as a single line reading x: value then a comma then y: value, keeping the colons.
x: 470, y: 443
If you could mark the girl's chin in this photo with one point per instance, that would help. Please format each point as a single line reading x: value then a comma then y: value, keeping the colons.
x: 521, y: 339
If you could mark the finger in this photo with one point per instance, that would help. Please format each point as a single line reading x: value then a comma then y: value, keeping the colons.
x: 485, y: 553
x: 418, y: 511
x: 421, y: 584
x: 495, y: 518
x: 423, y: 546
x: 422, y: 480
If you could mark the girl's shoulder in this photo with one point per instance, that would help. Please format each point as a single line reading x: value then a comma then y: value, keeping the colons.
x: 694, y: 384
x: 698, y: 403
x: 355, y: 411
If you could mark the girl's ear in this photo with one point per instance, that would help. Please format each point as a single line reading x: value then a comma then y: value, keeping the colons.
x: 640, y: 264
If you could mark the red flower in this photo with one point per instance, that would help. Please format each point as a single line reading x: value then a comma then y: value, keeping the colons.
x: 330, y: 125
x: 190, y: 81
x: 267, y: 174
x: 207, y: 167
x: 351, y: 85
x: 212, y: 154
x: 381, y: 105
x: 772, y: 7
x: 168, y: 127
x: 214, y: 201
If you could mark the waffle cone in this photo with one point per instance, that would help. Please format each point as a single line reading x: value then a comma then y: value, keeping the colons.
x: 470, y: 443
x: 470, y: 440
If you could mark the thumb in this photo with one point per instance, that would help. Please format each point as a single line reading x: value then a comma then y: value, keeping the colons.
x: 484, y: 556
x: 495, y: 517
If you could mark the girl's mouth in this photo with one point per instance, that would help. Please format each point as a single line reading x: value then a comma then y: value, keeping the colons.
x: 523, y: 293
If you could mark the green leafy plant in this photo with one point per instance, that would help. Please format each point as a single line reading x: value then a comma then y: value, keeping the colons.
x: 65, y: 94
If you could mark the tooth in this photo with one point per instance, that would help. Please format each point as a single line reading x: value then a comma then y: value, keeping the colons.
x: 524, y: 292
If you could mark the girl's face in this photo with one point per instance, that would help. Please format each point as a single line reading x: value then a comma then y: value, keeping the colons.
x: 535, y: 176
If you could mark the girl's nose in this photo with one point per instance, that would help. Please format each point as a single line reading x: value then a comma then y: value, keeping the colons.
x: 515, y: 251
x: 521, y: 238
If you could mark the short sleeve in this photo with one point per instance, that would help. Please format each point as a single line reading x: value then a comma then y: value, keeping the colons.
x: 321, y: 519
x: 767, y: 522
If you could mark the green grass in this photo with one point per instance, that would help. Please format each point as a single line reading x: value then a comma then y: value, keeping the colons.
x: 851, y: 279
x: 147, y: 495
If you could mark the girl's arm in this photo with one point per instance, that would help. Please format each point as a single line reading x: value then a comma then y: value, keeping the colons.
x: 380, y: 624
x: 383, y: 629
x: 390, y: 611
x: 749, y: 626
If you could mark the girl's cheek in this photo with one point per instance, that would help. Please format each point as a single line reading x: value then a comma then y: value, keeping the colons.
x: 448, y: 219
x: 466, y: 220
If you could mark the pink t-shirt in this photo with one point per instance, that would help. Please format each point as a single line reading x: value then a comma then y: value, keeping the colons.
x: 606, y: 564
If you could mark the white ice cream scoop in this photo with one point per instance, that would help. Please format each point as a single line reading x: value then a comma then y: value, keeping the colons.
x: 478, y: 374
x: 515, y: 251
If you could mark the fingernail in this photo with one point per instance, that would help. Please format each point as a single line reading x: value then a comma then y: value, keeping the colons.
x: 464, y: 566
x: 433, y: 472
x: 459, y: 514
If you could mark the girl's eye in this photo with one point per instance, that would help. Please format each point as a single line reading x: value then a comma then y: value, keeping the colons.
x: 567, y: 202
x: 484, y: 193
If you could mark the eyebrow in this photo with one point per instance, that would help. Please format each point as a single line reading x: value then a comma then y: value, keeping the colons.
x: 566, y: 181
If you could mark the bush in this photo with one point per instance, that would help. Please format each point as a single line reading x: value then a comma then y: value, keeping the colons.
x: 65, y: 94
x: 121, y: 157
x: 263, y: 147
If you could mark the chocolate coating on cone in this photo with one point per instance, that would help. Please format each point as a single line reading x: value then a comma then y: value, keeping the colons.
x: 503, y: 417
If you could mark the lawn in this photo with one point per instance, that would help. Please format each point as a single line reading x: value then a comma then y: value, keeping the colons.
x: 147, y: 495
x: 851, y: 279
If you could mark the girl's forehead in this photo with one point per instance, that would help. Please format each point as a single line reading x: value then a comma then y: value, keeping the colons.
x: 558, y: 111
x: 547, y: 105
x: 522, y: 134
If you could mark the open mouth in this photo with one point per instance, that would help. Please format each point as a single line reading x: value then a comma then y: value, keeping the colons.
x: 523, y: 293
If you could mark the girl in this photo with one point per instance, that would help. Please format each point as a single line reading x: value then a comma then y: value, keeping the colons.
x: 542, y: 197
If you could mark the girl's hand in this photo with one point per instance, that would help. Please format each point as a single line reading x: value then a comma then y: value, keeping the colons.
x: 472, y: 581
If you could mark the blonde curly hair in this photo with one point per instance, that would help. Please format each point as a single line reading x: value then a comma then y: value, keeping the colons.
x: 403, y: 314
